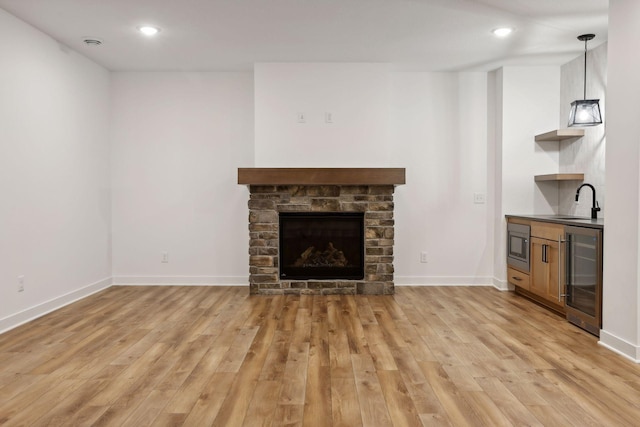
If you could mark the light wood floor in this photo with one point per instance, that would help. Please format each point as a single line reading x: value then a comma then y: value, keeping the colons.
x: 202, y: 356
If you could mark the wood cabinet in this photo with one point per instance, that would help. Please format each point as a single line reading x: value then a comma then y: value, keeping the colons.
x: 542, y: 282
x: 545, y: 267
x: 546, y: 262
x: 565, y: 269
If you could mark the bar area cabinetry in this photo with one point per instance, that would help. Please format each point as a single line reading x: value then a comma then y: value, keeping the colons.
x: 565, y: 269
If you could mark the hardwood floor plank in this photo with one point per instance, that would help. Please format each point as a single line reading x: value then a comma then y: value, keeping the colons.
x: 182, y: 356
x: 352, y: 325
x: 379, y: 348
x: 187, y: 358
x: 29, y: 394
x: 601, y: 408
x: 236, y: 404
x: 317, y: 403
x: 147, y: 412
x: 289, y: 415
x: 66, y: 412
x: 276, y: 361
x: 400, y: 406
x: 339, y: 354
x: 206, y: 408
x: 234, y: 357
x: 37, y: 406
x: 294, y: 381
x: 456, y: 407
x: 510, y: 406
x: 486, y: 410
x: 345, y: 403
x: 192, y: 387
x: 127, y: 382
x: 13, y: 384
x: 169, y: 420
x: 261, y: 410
x: 462, y: 376
x: 365, y: 313
x: 373, y: 408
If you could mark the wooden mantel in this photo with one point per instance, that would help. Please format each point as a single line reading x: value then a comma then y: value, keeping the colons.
x: 321, y: 176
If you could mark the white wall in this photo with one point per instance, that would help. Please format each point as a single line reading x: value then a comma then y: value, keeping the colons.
x: 525, y: 103
x: 357, y: 96
x: 54, y: 174
x: 530, y: 103
x: 439, y: 134
x: 494, y: 168
x: 432, y: 124
x: 178, y: 139
x: 621, y: 299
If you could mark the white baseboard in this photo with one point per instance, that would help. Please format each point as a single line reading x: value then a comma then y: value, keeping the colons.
x: 442, y: 281
x: 502, y: 285
x: 15, y: 320
x: 620, y: 346
x: 182, y: 280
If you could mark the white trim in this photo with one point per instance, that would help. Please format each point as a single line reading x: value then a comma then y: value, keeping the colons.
x: 32, y: 313
x: 620, y: 346
x: 182, y: 280
x: 442, y: 281
x: 502, y: 285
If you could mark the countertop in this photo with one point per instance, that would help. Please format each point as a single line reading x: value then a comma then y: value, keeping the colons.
x: 564, y: 219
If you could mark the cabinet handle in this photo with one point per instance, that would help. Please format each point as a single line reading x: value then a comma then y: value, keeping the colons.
x: 544, y: 254
x: 517, y: 279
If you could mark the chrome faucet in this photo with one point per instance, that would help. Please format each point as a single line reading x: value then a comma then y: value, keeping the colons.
x: 595, y: 207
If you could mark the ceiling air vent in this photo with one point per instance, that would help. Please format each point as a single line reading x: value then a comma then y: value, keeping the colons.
x: 92, y: 41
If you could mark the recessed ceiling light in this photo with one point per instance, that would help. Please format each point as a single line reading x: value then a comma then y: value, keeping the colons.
x: 502, y: 31
x: 148, y: 30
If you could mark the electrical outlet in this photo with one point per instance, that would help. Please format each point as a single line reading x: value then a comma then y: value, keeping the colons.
x: 423, y: 257
x: 165, y: 257
x: 20, y: 283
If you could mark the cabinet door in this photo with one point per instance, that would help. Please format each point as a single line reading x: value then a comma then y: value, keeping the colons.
x: 553, y: 259
x: 545, y: 262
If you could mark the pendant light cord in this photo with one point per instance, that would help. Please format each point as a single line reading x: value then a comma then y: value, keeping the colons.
x: 585, y: 69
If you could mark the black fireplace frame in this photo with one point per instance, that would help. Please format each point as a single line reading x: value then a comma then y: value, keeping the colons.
x: 322, y: 273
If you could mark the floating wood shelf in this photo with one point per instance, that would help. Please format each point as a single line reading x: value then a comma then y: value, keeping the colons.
x: 560, y: 177
x: 560, y: 134
x: 321, y: 176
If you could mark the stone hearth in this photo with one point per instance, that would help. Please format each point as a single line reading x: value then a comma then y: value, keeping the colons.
x: 271, y: 192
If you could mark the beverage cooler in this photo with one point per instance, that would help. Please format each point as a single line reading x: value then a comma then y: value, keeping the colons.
x: 583, y: 277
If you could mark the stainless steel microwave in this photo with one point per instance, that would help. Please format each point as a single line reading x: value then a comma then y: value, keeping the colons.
x: 518, y: 236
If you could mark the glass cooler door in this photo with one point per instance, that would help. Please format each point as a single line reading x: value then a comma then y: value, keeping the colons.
x: 583, y: 277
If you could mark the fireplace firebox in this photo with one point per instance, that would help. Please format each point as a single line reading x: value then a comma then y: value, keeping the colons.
x: 321, y: 245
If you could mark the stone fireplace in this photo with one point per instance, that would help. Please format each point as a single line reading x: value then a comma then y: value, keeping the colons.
x: 317, y: 259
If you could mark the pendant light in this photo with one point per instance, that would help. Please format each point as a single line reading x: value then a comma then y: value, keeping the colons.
x: 585, y: 112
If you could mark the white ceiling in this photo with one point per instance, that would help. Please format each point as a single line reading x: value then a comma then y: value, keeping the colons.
x: 433, y: 35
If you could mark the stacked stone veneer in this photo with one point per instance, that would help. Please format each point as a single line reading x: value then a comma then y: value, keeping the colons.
x: 265, y: 203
